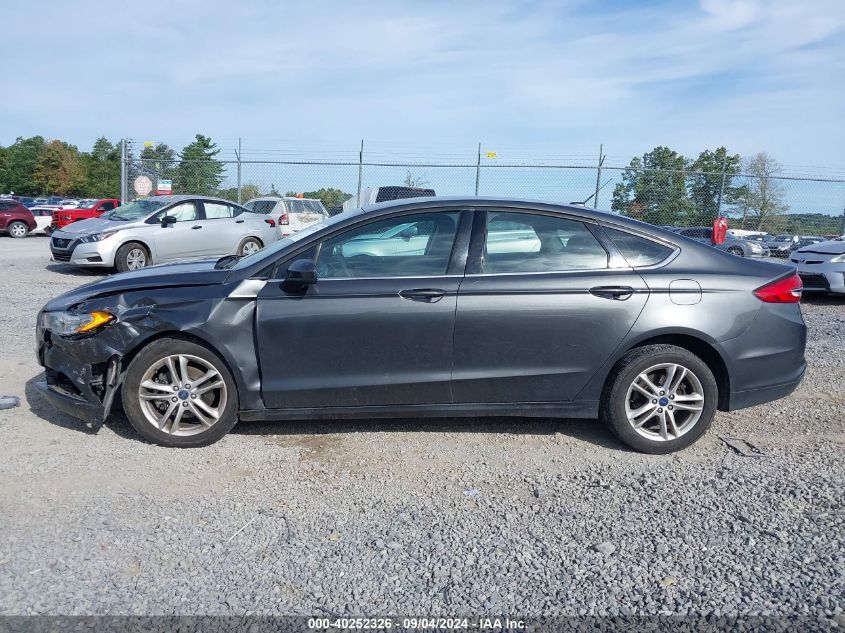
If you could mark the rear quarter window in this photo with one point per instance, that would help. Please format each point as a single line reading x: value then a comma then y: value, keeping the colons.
x: 638, y: 251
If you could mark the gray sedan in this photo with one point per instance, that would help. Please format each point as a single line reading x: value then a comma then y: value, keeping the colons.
x: 162, y: 229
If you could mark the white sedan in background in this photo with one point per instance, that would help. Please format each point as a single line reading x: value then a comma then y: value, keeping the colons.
x: 821, y: 266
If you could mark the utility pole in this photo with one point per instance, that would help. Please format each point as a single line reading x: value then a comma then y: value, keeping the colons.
x: 598, y: 176
x: 238, y: 153
x: 360, y: 171
x: 722, y: 188
x: 478, y: 170
x: 123, y: 175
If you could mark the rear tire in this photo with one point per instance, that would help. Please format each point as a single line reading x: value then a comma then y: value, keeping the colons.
x: 249, y: 246
x: 189, y: 415
x: 131, y: 256
x: 679, y: 407
x: 17, y: 229
x: 733, y: 250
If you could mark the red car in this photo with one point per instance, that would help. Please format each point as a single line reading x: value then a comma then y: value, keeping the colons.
x: 63, y: 217
x: 16, y: 219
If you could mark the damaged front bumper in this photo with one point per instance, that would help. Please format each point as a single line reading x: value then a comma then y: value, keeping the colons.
x: 81, y: 377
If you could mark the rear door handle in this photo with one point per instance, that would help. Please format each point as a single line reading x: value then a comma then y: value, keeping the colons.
x: 428, y: 295
x: 198, y: 226
x: 239, y: 221
x: 619, y: 293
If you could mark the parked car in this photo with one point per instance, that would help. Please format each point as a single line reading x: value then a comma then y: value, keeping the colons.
x: 161, y: 229
x: 289, y: 214
x: 806, y: 240
x: 733, y: 245
x: 374, y: 195
x: 781, y: 245
x: 15, y: 219
x: 69, y: 203
x: 603, y: 316
x: 91, y: 208
x: 43, y: 218
x: 821, y: 266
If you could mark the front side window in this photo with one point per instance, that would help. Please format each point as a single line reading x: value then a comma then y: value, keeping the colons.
x: 217, y: 210
x: 638, y: 251
x: 527, y: 243
x: 183, y: 212
x: 405, y: 246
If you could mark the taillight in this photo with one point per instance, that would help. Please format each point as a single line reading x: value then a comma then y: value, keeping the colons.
x: 270, y: 221
x: 786, y: 290
x: 283, y: 219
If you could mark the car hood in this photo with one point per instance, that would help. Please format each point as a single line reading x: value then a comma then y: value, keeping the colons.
x: 834, y: 247
x: 94, y: 225
x: 199, y: 272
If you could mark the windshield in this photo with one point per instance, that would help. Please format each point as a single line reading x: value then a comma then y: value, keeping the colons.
x: 271, y: 251
x: 261, y: 206
x: 136, y: 210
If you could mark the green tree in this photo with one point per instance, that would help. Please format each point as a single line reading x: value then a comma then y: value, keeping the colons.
x: 654, y: 189
x: 761, y: 201
x: 705, y: 184
x: 17, y: 174
x: 60, y: 170
x: 330, y: 197
x: 248, y: 192
x: 102, y: 170
x: 199, y: 172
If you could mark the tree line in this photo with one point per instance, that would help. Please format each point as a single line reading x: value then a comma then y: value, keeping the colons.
x: 664, y: 187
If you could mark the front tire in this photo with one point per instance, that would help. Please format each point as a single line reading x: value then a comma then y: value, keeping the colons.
x: 131, y: 256
x: 733, y: 250
x: 18, y: 229
x: 659, y: 399
x: 180, y: 394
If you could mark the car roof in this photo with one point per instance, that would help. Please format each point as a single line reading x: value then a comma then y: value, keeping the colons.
x: 186, y: 196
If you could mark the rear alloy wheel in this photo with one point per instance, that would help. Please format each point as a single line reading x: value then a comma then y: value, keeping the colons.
x: 18, y: 229
x: 659, y: 398
x: 131, y: 256
x: 735, y: 250
x: 178, y: 393
x: 249, y: 246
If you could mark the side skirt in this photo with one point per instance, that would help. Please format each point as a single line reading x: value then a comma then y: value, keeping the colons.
x: 579, y: 409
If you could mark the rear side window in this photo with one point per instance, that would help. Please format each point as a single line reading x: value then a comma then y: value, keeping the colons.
x: 638, y: 251
x: 527, y: 243
x: 260, y: 206
x: 217, y: 210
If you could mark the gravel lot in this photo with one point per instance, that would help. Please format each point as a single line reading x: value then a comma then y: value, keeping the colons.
x: 484, y: 517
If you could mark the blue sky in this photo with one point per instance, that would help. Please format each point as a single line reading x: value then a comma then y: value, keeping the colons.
x: 435, y: 77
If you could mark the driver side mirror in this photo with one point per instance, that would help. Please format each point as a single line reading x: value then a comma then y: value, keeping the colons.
x: 409, y: 232
x: 167, y: 221
x: 302, y: 272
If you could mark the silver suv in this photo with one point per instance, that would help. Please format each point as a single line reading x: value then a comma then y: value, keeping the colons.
x: 162, y: 229
x: 732, y: 244
x: 289, y: 214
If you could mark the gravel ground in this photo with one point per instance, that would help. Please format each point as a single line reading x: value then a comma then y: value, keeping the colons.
x: 490, y: 516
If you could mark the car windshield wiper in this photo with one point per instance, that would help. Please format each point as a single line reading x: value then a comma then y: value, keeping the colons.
x: 226, y: 261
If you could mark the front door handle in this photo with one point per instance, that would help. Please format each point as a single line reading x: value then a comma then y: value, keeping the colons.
x: 239, y: 221
x: 619, y: 293
x: 198, y: 226
x: 428, y: 295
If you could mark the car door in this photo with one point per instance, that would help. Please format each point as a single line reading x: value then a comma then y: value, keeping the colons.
x: 376, y: 328
x: 545, y: 301
x: 180, y: 240
x: 221, y: 231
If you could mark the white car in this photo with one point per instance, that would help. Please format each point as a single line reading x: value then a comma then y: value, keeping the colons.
x: 821, y: 266
x: 162, y: 229
x: 43, y: 215
x: 289, y: 214
x: 69, y: 204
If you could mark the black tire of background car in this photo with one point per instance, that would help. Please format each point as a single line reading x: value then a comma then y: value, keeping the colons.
x: 612, y: 407
x: 131, y: 403
x: 120, y: 262
x: 735, y: 250
x: 248, y: 240
x: 20, y: 225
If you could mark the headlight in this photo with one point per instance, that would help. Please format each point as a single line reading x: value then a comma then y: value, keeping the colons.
x: 97, y: 237
x: 66, y: 323
x: 839, y: 259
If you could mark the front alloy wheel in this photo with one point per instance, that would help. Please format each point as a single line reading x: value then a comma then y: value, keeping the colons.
x: 179, y: 393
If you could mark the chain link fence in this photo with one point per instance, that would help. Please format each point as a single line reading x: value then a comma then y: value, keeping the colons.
x: 782, y: 204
